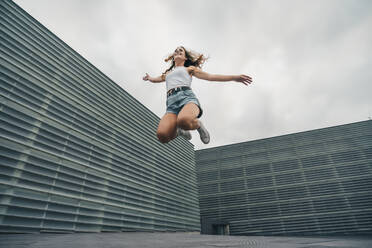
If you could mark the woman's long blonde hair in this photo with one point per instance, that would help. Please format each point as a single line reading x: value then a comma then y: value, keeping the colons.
x: 192, y: 59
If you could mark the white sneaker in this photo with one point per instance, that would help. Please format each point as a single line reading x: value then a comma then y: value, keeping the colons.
x: 204, y: 134
x: 184, y: 133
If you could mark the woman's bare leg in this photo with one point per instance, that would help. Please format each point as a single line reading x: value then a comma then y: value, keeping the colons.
x: 167, y: 129
x: 187, y: 118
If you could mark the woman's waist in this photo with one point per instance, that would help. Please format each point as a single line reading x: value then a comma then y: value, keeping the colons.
x: 177, y: 89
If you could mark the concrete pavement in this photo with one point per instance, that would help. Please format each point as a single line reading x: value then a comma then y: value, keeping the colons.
x: 174, y: 240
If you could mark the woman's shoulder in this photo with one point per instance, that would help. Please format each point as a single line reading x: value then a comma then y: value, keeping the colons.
x: 191, y: 69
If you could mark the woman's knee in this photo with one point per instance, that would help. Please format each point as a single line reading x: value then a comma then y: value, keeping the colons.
x: 165, y: 137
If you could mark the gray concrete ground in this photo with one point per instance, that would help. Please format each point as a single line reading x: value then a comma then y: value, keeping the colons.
x: 174, y: 240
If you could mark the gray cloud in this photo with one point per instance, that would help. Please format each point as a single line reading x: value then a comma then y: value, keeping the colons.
x: 310, y: 60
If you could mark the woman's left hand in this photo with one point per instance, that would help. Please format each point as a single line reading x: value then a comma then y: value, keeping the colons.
x: 247, y: 80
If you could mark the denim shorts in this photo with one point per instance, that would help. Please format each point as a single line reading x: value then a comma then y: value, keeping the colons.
x: 176, y: 101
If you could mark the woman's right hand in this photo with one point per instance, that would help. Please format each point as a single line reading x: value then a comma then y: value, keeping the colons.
x: 153, y: 79
x: 146, y: 78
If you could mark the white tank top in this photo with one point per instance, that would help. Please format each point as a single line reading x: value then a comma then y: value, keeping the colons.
x: 178, y: 77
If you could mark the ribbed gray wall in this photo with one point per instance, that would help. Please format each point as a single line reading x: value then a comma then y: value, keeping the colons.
x: 315, y: 182
x: 77, y: 152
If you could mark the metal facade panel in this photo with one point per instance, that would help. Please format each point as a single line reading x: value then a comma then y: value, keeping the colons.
x: 77, y: 152
x: 315, y: 182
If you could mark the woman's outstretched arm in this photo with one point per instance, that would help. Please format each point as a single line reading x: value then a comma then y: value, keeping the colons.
x: 154, y: 79
x: 197, y: 72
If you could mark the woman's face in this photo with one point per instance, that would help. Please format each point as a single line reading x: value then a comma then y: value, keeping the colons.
x: 179, y: 53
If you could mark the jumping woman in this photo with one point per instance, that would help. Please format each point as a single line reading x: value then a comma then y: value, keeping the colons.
x: 183, y: 108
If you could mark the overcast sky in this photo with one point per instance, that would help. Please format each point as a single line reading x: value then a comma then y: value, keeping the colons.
x: 311, y: 61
